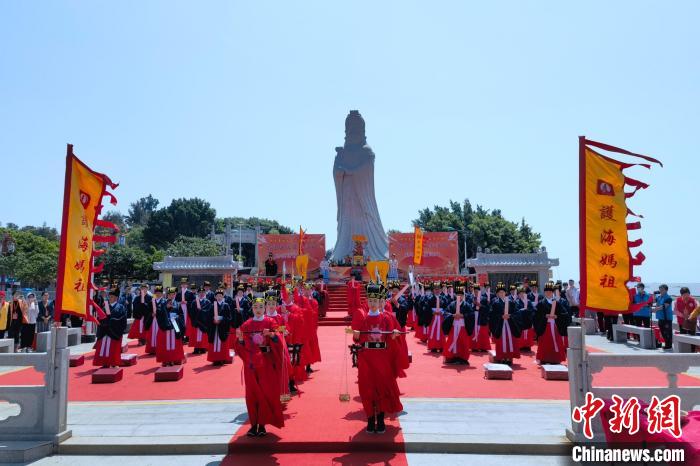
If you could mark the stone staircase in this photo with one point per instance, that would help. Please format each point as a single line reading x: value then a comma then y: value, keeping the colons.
x: 337, y: 314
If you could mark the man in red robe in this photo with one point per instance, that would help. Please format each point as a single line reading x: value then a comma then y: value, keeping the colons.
x: 296, y: 338
x: 108, y: 349
x: 353, y: 295
x: 376, y: 377
x: 550, y: 322
x: 260, y: 349
x: 310, y: 306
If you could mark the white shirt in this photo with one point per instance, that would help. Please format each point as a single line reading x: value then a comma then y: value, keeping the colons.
x: 573, y: 295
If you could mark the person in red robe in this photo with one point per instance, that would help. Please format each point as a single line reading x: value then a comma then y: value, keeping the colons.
x: 436, y: 305
x: 171, y: 328
x: 310, y: 306
x: 353, y: 295
x: 397, y: 307
x: 108, y: 348
x: 458, y: 326
x: 504, y: 326
x: 376, y: 379
x: 526, y: 313
x: 322, y: 297
x: 296, y: 338
x: 551, y: 322
x: 271, y: 311
x: 259, y: 347
x: 141, y: 306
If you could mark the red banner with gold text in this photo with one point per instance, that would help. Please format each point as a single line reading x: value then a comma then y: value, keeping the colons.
x: 440, y: 252
x: 285, y: 248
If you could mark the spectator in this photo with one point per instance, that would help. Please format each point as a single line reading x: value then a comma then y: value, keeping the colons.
x: 43, y: 322
x: 18, y: 307
x: 573, y: 295
x: 642, y: 317
x: 685, y: 312
x: 4, y: 315
x: 664, y: 314
x: 393, y: 268
x: 29, y: 315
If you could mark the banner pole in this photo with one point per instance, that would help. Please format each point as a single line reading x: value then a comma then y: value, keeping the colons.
x: 583, y: 277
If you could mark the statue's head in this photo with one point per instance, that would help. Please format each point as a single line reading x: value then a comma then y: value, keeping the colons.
x: 355, y: 129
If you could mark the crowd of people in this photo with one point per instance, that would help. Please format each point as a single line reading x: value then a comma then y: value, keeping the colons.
x: 21, y: 318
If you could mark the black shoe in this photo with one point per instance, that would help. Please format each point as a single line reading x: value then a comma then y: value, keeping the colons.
x: 261, y: 431
x: 370, y: 425
x: 308, y: 369
x: 253, y: 431
x: 292, y: 387
x: 381, y: 428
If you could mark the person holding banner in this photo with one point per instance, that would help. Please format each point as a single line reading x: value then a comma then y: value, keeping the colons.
x: 108, y: 348
x: 458, y: 325
x: 259, y: 347
x: 526, y: 314
x: 376, y: 379
x: 219, y: 320
x: 550, y: 323
x: 171, y: 326
x: 504, y: 326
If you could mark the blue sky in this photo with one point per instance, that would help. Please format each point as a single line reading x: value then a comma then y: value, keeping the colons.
x: 242, y: 103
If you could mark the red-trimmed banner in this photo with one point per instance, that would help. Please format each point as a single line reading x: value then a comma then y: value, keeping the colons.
x: 82, y: 203
x: 439, y: 252
x: 606, y: 262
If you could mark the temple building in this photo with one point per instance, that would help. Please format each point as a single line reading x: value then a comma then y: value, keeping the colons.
x: 513, y: 268
x: 214, y: 269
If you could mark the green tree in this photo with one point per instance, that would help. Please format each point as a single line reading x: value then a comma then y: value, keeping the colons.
x: 183, y: 217
x: 193, y: 246
x: 35, y: 260
x: 45, y: 231
x: 125, y: 262
x: 140, y: 211
x: 484, y: 228
x: 266, y: 225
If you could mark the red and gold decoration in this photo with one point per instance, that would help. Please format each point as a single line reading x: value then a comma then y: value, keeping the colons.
x: 82, y: 205
x: 438, y: 252
x: 417, y: 246
x: 606, y: 260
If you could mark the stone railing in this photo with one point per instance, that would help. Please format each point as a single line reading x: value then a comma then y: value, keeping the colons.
x: 43, y: 408
x: 582, y: 366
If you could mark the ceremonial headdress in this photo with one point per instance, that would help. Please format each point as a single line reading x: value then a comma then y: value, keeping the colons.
x: 207, y: 283
x: 144, y: 285
x: 271, y: 295
x: 172, y: 290
x: 459, y: 289
x: 201, y: 289
x: 522, y: 289
x: 513, y: 287
x: 476, y: 287
x: 240, y: 287
x: 184, y: 280
x: 533, y: 283
x: 549, y: 286
x: 158, y: 289
x: 219, y: 291
x: 376, y: 291
x: 193, y: 286
x: 500, y: 286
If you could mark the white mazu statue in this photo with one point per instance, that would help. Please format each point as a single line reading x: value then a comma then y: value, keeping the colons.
x: 353, y: 172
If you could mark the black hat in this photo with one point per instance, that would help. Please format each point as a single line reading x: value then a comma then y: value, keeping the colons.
x: 271, y: 295
x: 193, y: 286
x: 184, y: 280
x: 218, y: 291
x: 144, y: 285
x: 158, y: 289
x: 206, y: 283
x: 240, y: 287
x: 201, y: 289
x: 114, y: 292
x: 459, y: 289
x: 376, y: 291
x: 172, y: 290
x: 500, y: 286
x: 549, y: 286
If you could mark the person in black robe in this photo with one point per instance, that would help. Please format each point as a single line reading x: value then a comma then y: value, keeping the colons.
x: 142, y: 311
x: 458, y: 341
x: 428, y: 302
x: 504, y: 326
x: 209, y: 293
x: 534, y: 294
x: 270, y: 266
x: 551, y: 322
x: 400, y: 305
x: 171, y: 330
x: 481, y: 338
x: 525, y: 314
x: 112, y: 327
x: 219, y: 319
x: 198, y: 311
x: 241, y: 304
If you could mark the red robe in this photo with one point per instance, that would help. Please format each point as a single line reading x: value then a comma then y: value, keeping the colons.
x: 261, y: 372
x: 481, y: 337
x: 310, y: 307
x: 151, y: 336
x: 108, y: 352
x: 297, y: 336
x: 323, y: 308
x: 436, y: 338
x: 458, y: 341
x: 168, y: 347
x: 286, y: 372
x: 398, y: 347
x: 353, y: 297
x: 551, y: 347
x: 376, y: 376
x: 136, y: 331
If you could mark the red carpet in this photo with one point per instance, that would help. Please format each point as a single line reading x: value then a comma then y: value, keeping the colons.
x: 427, y: 377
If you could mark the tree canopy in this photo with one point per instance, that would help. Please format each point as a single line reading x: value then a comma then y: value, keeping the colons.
x: 141, y: 210
x: 35, y: 260
x: 193, y: 246
x: 266, y: 225
x: 485, y: 229
x: 185, y: 217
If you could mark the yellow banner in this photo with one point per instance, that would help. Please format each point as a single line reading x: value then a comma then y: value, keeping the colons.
x: 302, y: 263
x: 380, y: 268
x: 606, y: 250
x: 417, y: 245
x: 82, y: 202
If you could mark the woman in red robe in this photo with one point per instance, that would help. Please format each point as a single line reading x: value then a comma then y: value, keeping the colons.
x: 259, y: 347
x: 353, y: 295
x: 376, y: 377
x: 311, y: 320
x: 286, y: 380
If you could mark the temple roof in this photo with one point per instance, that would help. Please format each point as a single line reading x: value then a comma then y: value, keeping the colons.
x: 181, y: 264
x: 540, y: 259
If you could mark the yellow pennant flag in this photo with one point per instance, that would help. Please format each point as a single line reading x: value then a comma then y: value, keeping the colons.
x: 417, y: 245
x: 605, y: 259
x: 302, y: 263
x: 378, y: 271
x: 82, y: 203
